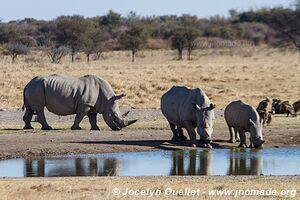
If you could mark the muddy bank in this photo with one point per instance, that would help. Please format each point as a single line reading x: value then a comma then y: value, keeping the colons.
x: 81, y: 142
x: 145, y: 136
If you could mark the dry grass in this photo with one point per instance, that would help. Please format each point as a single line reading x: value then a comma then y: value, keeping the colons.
x: 101, y: 188
x: 225, y: 74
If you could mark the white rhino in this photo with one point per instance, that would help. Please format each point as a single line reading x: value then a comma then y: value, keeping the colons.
x: 188, y: 108
x: 241, y: 118
x: 87, y: 95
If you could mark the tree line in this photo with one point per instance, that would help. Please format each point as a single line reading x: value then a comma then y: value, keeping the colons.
x: 68, y: 35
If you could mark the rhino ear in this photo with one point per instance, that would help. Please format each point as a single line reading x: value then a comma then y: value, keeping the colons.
x: 118, y: 97
x: 212, y: 106
x: 197, y: 107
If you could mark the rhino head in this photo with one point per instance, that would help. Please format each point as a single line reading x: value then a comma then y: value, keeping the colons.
x: 112, y: 115
x: 205, y: 117
x: 256, y: 133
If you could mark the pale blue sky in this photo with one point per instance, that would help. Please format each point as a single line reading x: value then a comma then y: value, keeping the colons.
x: 50, y: 9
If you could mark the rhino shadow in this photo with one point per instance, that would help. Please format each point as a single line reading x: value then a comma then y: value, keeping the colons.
x: 157, y: 144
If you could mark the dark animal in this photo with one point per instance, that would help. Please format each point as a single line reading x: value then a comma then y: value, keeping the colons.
x: 264, y: 112
x: 282, y: 107
x: 296, y: 107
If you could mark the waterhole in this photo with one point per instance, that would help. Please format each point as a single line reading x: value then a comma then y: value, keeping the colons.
x: 268, y: 161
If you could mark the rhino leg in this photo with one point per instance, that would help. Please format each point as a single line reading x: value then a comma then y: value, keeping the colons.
x: 232, y: 135
x: 242, y: 138
x: 180, y: 134
x: 27, y: 118
x: 80, y: 113
x: 93, y: 121
x: 237, y: 136
x: 191, y: 131
x: 42, y: 120
x: 174, y: 131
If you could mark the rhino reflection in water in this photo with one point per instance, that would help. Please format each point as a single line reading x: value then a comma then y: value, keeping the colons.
x: 202, y: 167
x: 193, y: 163
x: 244, y: 164
x: 75, y: 167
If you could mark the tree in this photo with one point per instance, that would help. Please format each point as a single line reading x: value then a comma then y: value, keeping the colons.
x: 133, y: 39
x: 111, y: 20
x: 71, y: 30
x: 179, y: 41
x: 14, y: 49
x: 56, y: 53
x: 286, y: 23
x: 93, y: 42
x: 191, y: 40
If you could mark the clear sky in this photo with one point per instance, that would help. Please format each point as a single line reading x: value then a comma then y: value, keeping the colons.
x: 50, y: 9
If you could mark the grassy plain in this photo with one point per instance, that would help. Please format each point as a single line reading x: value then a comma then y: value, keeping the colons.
x: 249, y: 74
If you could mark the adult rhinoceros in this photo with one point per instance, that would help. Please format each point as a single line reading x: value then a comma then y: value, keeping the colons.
x: 87, y: 95
x: 188, y: 108
x: 240, y: 118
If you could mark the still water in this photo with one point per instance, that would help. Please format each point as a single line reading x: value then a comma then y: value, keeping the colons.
x: 268, y: 161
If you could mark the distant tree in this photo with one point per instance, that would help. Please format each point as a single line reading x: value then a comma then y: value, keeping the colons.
x: 111, y: 20
x: 286, y: 23
x: 70, y: 31
x: 14, y: 49
x: 26, y: 40
x: 133, y: 39
x: 191, y: 35
x: 297, y: 4
x: 233, y: 13
x: 46, y: 34
x: 56, y: 53
x: 93, y: 41
x: 179, y: 41
x: 9, y: 32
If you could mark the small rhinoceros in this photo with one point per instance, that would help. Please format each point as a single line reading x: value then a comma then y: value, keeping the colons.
x: 241, y: 118
x: 188, y: 108
x: 87, y: 95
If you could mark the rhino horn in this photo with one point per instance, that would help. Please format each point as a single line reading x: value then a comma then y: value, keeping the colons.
x: 129, y: 122
x: 212, y: 106
x: 125, y: 114
x: 118, y: 97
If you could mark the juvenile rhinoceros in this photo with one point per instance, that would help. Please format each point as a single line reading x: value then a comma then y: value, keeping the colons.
x: 241, y: 118
x: 188, y: 108
x: 87, y: 95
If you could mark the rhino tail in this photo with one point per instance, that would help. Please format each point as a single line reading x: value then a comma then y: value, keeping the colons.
x: 23, y: 106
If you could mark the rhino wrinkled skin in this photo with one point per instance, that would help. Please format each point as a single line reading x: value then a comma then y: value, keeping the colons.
x: 241, y: 118
x: 86, y: 95
x: 188, y: 108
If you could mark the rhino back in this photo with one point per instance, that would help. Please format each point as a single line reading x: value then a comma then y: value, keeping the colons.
x: 178, y: 104
x: 237, y: 114
x: 64, y: 94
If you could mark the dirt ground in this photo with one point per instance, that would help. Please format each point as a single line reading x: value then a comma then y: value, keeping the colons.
x: 149, y: 133
x: 109, y: 187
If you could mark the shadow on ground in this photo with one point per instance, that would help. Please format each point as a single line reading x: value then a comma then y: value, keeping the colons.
x: 157, y: 144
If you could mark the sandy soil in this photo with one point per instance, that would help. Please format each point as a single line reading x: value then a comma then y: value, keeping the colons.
x: 20, y: 143
x: 103, y: 187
